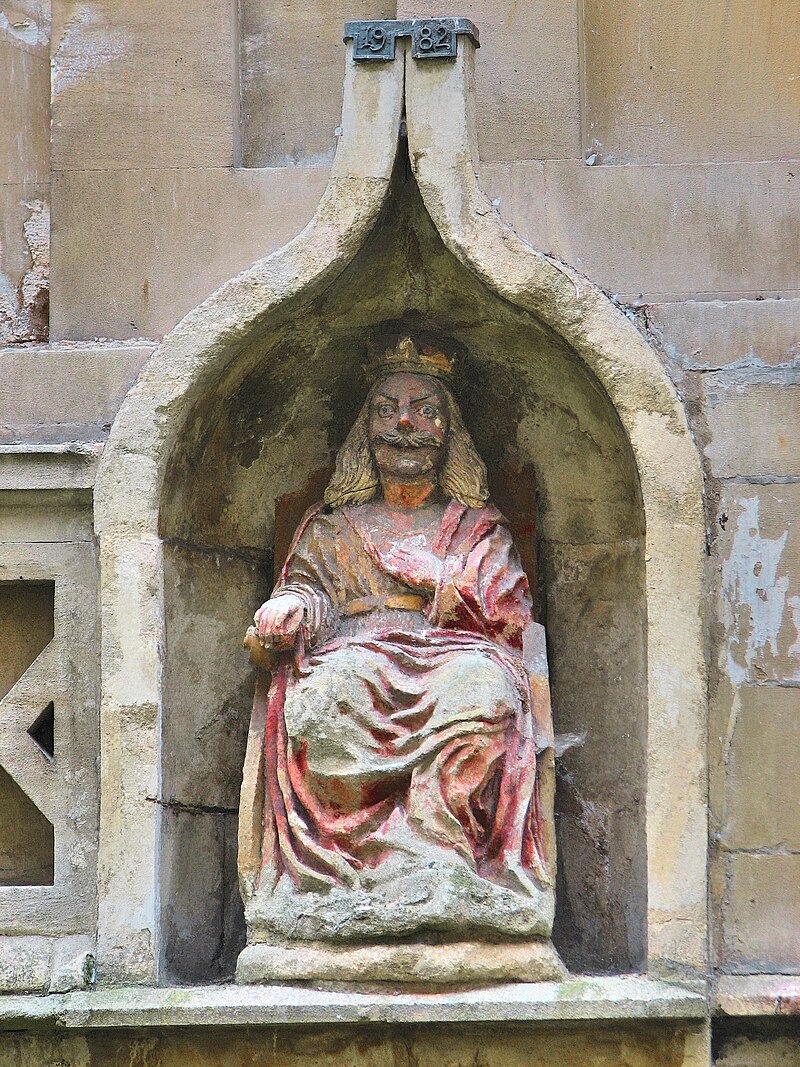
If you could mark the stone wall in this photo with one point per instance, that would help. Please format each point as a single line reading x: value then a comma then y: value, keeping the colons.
x: 366, y: 1046
x: 146, y: 156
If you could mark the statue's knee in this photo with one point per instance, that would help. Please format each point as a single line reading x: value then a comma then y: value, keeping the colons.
x: 481, y: 682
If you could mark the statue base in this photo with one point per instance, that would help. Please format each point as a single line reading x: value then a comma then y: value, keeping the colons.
x: 458, y: 963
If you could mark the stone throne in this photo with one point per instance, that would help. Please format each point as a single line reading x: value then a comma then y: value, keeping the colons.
x: 430, y: 957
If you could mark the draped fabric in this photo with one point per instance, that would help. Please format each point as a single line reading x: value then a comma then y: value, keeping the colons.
x: 398, y: 740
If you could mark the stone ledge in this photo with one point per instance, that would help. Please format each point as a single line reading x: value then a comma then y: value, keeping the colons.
x: 758, y: 995
x: 49, y: 466
x: 577, y: 1000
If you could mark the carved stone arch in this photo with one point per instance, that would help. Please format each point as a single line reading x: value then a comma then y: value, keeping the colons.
x: 198, y: 358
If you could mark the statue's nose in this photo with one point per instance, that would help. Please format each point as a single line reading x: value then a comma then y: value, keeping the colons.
x: 405, y: 423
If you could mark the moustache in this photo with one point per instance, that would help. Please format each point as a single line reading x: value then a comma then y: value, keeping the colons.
x: 411, y: 439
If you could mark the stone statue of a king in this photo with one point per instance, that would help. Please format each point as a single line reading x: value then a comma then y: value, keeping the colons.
x: 408, y: 703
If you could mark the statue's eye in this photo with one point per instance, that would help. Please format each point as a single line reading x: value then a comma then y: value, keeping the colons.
x: 385, y: 410
x: 428, y: 412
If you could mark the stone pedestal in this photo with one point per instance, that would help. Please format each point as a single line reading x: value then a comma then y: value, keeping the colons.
x: 463, y: 962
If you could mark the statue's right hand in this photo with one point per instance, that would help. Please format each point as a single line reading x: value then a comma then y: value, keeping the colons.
x: 279, y: 619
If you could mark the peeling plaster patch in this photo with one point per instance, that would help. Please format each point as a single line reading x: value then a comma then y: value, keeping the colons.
x: 87, y: 44
x: 26, y: 25
x: 753, y: 597
x: 24, y: 307
x: 794, y: 604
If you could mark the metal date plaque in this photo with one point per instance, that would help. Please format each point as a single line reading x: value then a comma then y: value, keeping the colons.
x: 430, y: 38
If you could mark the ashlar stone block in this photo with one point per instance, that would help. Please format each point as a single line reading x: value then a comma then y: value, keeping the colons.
x: 134, y: 251
x: 684, y: 82
x: 661, y: 233
x: 752, y: 423
x: 713, y: 334
x: 68, y: 394
x: 760, y: 928
x: 763, y: 804
x: 25, y: 92
x: 149, y: 84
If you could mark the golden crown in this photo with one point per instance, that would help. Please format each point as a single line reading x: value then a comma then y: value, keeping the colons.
x: 404, y: 355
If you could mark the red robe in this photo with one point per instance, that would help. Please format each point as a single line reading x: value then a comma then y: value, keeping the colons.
x: 394, y: 736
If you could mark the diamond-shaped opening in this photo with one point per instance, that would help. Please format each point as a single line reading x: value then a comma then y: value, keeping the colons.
x: 27, y: 841
x: 26, y: 627
x: 43, y: 731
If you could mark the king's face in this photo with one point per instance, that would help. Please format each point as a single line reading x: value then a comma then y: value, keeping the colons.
x: 408, y: 426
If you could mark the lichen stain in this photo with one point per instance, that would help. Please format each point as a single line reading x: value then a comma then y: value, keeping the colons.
x: 25, y: 305
x: 754, y: 601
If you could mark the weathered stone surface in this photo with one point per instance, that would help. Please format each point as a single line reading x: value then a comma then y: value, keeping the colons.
x: 284, y: 46
x: 76, y: 973
x: 612, y: 999
x: 758, y: 544
x: 65, y: 394
x: 656, y: 233
x: 30, y: 515
x: 143, y: 85
x: 111, y: 277
x: 761, y: 812
x: 24, y: 262
x: 449, y: 964
x: 209, y: 689
x: 132, y: 627
x: 29, y: 1050
x: 25, y: 92
x: 660, y: 233
x: 602, y: 877
x: 711, y: 334
x: 202, y: 920
x: 759, y: 915
x: 743, y: 1051
x: 25, y: 964
x: 753, y: 423
x: 527, y: 76
x: 750, y: 996
x: 689, y: 82
x: 518, y: 192
x: 29, y: 962
x: 370, y: 1046
x: 62, y: 466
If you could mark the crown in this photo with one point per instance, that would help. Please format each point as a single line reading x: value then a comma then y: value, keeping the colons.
x: 403, y: 354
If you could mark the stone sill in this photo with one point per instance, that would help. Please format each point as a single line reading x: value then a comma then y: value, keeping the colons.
x: 758, y: 995
x: 577, y: 1000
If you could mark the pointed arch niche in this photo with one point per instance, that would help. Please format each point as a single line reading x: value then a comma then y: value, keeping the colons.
x: 249, y: 397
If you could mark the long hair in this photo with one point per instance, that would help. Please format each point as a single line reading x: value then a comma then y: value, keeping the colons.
x: 462, y: 477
